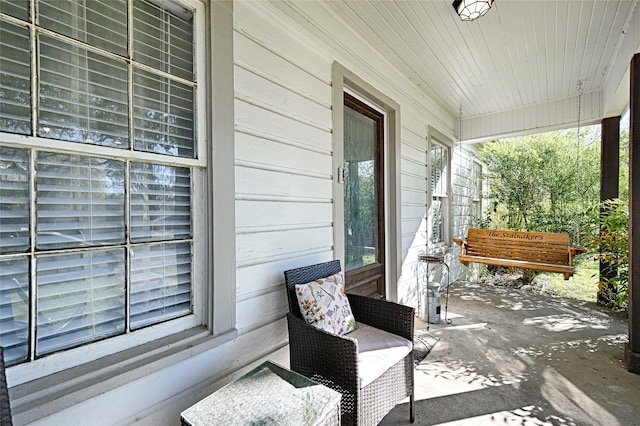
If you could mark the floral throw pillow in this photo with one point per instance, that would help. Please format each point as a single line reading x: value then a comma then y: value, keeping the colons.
x: 324, y: 304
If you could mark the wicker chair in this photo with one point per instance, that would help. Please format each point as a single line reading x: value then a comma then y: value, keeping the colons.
x: 333, y: 360
x: 5, y: 408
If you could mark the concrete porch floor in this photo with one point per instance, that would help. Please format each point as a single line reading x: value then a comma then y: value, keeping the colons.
x: 512, y: 357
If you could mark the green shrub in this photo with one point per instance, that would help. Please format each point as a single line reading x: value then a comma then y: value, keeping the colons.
x: 608, y: 241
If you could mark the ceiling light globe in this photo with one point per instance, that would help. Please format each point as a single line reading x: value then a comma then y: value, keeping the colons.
x: 469, y: 10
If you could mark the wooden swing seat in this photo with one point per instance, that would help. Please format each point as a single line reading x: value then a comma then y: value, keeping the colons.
x: 538, y: 251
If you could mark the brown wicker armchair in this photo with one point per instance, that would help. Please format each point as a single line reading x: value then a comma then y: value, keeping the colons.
x: 333, y: 360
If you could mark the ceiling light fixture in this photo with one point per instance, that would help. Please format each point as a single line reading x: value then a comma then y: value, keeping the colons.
x: 468, y: 10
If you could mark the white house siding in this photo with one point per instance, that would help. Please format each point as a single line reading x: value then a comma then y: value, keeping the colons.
x: 414, y: 204
x: 462, y: 187
x: 284, y: 203
x: 283, y: 163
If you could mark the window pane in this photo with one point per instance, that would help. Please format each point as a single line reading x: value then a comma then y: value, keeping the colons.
x: 360, y: 190
x: 163, y: 38
x: 80, y: 201
x: 15, y: 81
x: 83, y: 95
x: 437, y: 221
x: 80, y: 298
x: 439, y: 163
x: 160, y: 202
x: 14, y: 200
x: 163, y: 115
x: 16, y: 8
x: 99, y: 23
x: 14, y: 308
x: 160, y: 282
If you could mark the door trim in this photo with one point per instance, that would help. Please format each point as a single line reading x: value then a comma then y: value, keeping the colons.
x: 343, y: 81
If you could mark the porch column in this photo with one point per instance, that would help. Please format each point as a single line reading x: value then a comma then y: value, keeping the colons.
x: 609, y: 183
x: 632, y: 353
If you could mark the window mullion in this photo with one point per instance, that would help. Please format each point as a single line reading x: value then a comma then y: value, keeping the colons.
x: 34, y: 70
x: 33, y: 308
x: 127, y: 175
x: 127, y: 254
x: 33, y: 288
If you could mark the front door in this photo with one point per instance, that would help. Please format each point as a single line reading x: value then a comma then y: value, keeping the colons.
x: 364, y: 198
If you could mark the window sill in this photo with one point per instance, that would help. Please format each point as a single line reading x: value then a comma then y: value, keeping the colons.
x: 50, y: 394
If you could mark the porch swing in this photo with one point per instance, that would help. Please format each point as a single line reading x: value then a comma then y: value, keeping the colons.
x: 538, y: 251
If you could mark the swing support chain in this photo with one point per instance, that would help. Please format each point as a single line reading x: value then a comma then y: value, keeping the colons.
x: 580, y: 91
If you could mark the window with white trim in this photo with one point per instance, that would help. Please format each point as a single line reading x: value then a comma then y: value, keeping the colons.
x: 99, y: 170
x: 439, y: 209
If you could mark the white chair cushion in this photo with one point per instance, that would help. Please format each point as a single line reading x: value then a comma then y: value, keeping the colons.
x: 378, y: 351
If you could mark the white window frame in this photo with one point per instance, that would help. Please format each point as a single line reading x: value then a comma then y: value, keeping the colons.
x: 217, y: 313
x: 437, y: 140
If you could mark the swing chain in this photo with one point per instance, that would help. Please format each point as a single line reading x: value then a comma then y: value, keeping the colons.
x: 580, y: 91
x: 576, y: 230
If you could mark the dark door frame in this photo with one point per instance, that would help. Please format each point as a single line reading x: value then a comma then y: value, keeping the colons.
x: 344, y: 80
x: 360, y: 280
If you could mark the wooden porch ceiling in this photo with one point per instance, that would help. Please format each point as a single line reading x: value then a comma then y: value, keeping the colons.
x: 523, y: 58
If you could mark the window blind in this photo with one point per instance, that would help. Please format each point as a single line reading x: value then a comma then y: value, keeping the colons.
x: 80, y: 298
x: 80, y: 201
x: 15, y: 80
x: 14, y: 200
x: 162, y: 39
x: 99, y: 23
x: 163, y: 115
x: 91, y: 265
x: 16, y: 8
x: 160, y: 282
x: 82, y: 94
x: 14, y: 308
x: 160, y: 202
x: 439, y: 164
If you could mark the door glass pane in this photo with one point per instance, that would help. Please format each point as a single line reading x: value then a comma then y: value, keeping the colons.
x: 14, y: 200
x: 360, y: 195
x: 80, y: 201
x: 15, y: 81
x: 14, y: 308
x: 80, y: 298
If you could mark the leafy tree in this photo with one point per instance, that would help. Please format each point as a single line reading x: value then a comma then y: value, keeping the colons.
x: 550, y: 182
x: 624, y: 165
x: 543, y: 182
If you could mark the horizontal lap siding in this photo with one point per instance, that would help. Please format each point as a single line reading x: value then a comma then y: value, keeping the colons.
x: 462, y: 203
x: 284, y: 168
x: 284, y: 200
